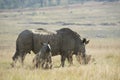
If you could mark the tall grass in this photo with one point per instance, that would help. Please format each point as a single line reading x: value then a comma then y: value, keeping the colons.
x: 105, y: 67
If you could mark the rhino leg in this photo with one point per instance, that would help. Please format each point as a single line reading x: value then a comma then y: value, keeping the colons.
x: 22, y: 57
x: 70, y: 59
x: 63, y: 60
x: 46, y: 66
x: 50, y: 62
x: 15, y: 58
x: 43, y: 64
x: 78, y: 58
x: 37, y: 65
x: 36, y: 61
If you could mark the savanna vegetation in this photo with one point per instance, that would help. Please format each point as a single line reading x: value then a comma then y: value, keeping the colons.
x: 96, y: 21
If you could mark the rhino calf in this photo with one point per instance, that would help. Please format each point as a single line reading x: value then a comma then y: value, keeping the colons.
x: 44, y: 57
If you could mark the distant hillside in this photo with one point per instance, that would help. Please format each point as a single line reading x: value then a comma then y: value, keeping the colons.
x: 15, y: 4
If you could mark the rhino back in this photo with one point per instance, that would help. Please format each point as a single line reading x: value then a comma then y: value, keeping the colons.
x: 44, y: 37
x: 62, y: 40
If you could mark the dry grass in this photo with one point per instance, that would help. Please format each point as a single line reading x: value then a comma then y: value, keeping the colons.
x: 100, y: 23
x: 105, y: 67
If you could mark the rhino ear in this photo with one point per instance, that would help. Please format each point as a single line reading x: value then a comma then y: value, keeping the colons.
x: 84, y: 40
x: 87, y: 42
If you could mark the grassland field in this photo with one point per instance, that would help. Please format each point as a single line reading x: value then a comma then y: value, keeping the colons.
x: 99, y: 22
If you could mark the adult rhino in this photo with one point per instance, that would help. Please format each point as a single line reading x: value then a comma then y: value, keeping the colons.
x: 64, y: 42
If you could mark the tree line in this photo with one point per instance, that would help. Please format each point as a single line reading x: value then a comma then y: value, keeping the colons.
x: 13, y: 4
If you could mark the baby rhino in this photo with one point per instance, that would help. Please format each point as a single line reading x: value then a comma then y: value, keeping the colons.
x: 44, y: 57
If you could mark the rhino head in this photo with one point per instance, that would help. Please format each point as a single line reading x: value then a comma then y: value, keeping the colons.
x: 81, y: 54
